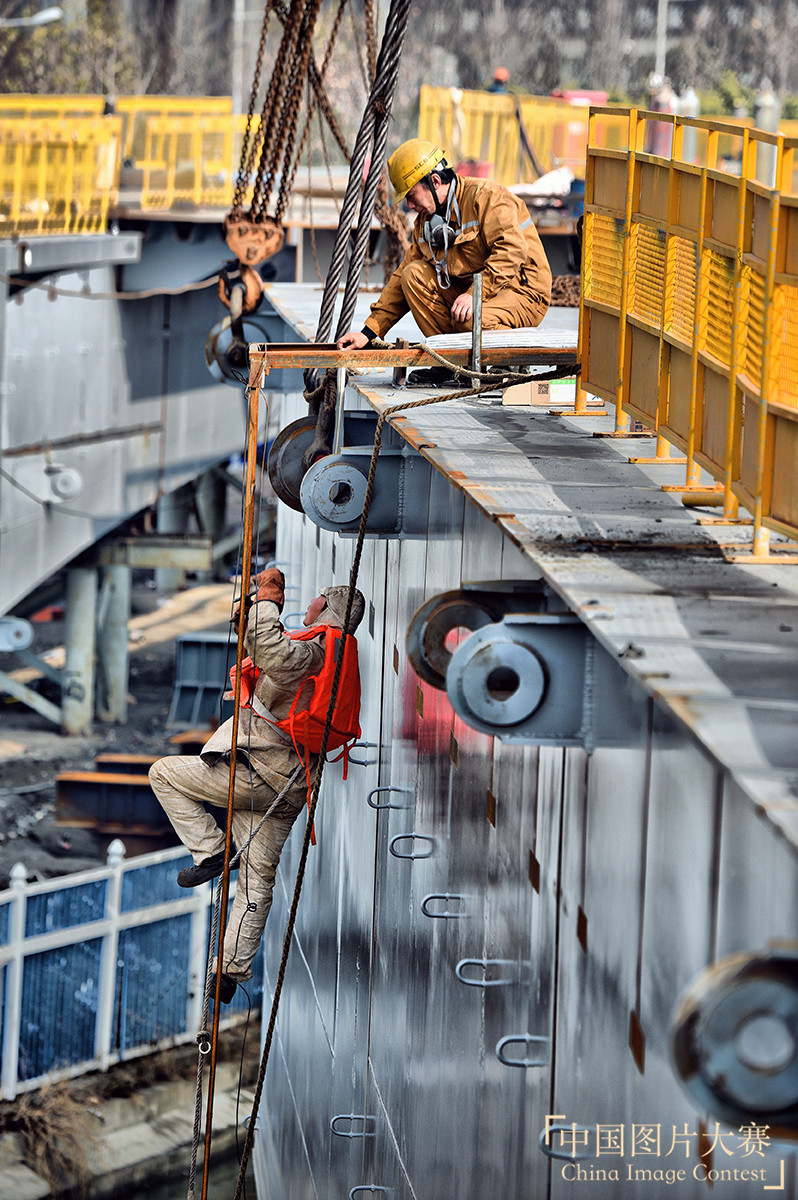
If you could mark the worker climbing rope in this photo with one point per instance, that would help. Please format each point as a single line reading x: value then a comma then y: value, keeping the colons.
x: 464, y: 226
x: 275, y: 751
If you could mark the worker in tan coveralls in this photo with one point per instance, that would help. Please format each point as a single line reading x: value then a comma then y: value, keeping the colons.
x: 464, y: 226
x: 267, y: 767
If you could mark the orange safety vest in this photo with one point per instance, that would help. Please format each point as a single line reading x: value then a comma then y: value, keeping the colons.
x: 304, y: 723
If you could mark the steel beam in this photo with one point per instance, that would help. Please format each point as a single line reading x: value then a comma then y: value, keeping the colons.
x: 30, y: 698
x: 112, y: 644
x: 181, y: 552
x: 275, y: 355
x: 77, y: 694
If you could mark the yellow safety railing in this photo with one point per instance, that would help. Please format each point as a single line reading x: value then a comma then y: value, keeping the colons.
x: 487, y: 127
x: 689, y: 313
x: 138, y: 111
x: 29, y: 104
x: 57, y: 176
x: 192, y: 161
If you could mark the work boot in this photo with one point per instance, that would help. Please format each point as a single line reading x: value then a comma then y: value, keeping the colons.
x: 209, y: 868
x: 438, y: 377
x: 227, y: 989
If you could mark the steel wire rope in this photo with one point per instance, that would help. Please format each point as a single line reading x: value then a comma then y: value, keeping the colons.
x: 83, y: 294
x: 498, y: 380
x: 252, y: 396
x: 387, y: 67
x: 203, y: 1045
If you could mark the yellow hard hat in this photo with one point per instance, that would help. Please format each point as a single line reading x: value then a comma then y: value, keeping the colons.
x: 410, y: 162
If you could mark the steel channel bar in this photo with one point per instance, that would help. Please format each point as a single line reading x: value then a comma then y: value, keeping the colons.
x: 277, y: 355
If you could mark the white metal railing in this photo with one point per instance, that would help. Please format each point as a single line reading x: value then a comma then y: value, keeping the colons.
x: 79, y: 953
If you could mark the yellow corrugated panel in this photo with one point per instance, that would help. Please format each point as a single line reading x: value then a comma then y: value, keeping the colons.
x: 192, y: 161
x: 136, y: 111
x: 604, y: 269
x: 59, y: 108
x: 57, y: 177
x: 484, y: 126
x: 720, y: 305
x: 785, y: 324
x: 753, y: 319
x: 647, y: 272
x: 681, y: 295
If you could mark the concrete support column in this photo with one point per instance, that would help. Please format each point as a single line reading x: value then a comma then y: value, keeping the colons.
x: 210, y: 498
x: 172, y: 509
x: 112, y: 645
x: 77, y: 689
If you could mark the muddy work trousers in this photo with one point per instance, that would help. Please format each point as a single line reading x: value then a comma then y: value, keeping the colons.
x: 183, y: 785
x: 432, y: 308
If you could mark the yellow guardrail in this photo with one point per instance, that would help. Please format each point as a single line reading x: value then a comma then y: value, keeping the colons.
x: 29, y: 104
x: 689, y: 312
x: 57, y: 176
x: 487, y: 127
x: 138, y: 111
x: 192, y: 161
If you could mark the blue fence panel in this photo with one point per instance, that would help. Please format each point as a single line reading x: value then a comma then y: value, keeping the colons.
x: 5, y: 916
x: 65, y: 908
x: 152, y: 884
x: 59, y: 1008
x: 152, y: 981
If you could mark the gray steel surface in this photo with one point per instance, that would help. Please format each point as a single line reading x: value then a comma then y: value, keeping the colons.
x: 557, y: 903
x: 104, y: 403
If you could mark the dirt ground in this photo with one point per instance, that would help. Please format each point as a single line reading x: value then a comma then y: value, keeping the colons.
x: 33, y: 752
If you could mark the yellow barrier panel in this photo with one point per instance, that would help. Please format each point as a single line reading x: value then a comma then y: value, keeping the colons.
x: 192, y: 161
x: 689, y: 317
x: 487, y: 127
x: 57, y: 176
x: 35, y: 105
x: 138, y: 111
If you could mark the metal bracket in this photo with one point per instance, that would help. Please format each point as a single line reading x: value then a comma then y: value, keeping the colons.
x: 376, y: 791
x: 507, y: 965
x: 445, y: 914
x: 366, y: 1131
x: 285, y: 465
x: 363, y: 762
x: 527, y: 1039
x: 470, y: 607
x: 333, y: 490
x: 523, y: 674
x: 416, y: 837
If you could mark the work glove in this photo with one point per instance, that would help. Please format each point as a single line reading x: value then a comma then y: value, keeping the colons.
x: 271, y: 586
x: 236, y: 617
